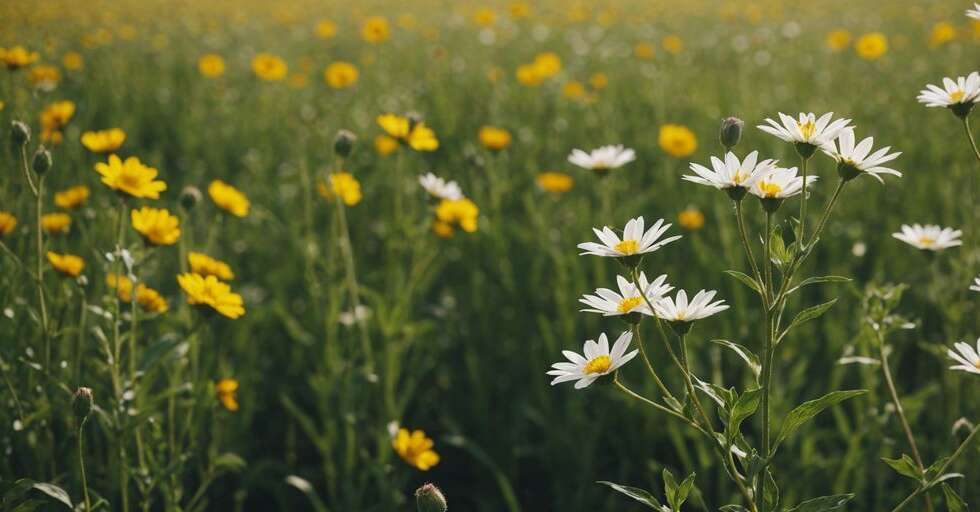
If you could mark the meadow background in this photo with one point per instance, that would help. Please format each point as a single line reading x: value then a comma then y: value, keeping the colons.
x: 462, y: 329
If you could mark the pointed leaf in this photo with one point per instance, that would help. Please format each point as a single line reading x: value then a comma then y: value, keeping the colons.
x: 684, y: 490
x: 670, y: 488
x: 904, y: 466
x: 806, y: 315
x: 771, y: 495
x: 55, y: 492
x: 953, y: 501
x: 637, y: 494
x: 807, y: 410
x: 819, y: 279
x: 747, y: 355
x: 744, y: 407
x: 823, y: 503
x: 746, y: 280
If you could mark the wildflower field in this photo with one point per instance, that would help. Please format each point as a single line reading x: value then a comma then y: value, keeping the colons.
x: 503, y: 256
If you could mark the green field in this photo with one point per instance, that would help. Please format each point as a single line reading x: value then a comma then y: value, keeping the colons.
x: 344, y: 301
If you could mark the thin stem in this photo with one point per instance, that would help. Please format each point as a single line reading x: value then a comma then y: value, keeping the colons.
x: 690, y: 383
x: 643, y: 353
x: 81, y: 466
x: 969, y: 135
x: 803, y: 194
x: 743, y: 236
x: 352, y: 286
x: 830, y: 207
x: 766, y: 361
x: 942, y: 469
x: 39, y: 269
x: 657, y: 406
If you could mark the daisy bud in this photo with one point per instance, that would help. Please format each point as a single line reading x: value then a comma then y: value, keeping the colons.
x: 847, y: 171
x: 736, y: 193
x: 962, y: 110
x: 681, y: 327
x: 42, y: 160
x: 429, y: 498
x: 343, y: 144
x: 730, y: 132
x: 771, y: 204
x: 20, y: 133
x: 189, y: 197
x: 805, y: 149
x: 82, y: 403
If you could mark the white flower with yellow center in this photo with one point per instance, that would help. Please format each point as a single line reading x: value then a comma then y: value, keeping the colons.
x: 440, y: 188
x: 731, y: 173
x: 806, y: 132
x: 968, y: 359
x: 628, y: 300
x: 976, y: 284
x: 780, y: 183
x: 856, y: 159
x: 958, y: 95
x: 635, y: 241
x: 602, y: 159
x: 596, y: 360
x: 680, y: 310
x: 930, y: 237
x: 975, y: 12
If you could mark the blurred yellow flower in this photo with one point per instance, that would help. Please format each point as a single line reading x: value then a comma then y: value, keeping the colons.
x: 941, y: 34
x: 269, y: 67
x: 528, y: 75
x: 644, y: 51
x: 229, y: 198
x: 484, y: 17
x: 673, y: 44
x: 442, y: 229
x: 547, y: 64
x: 691, y: 219
x: 209, y: 291
x: 494, y: 138
x: 103, y: 141
x: 599, y: 81
x: 147, y: 298
x: 211, y: 65
x: 225, y: 389
x: 2, y: 104
x: 573, y: 90
x: 555, y: 182
x: 122, y: 285
x: 207, y: 266
x: 297, y: 81
x: 494, y: 74
x: 71, y: 198
x: 460, y: 213
x: 7, y: 223
x: 44, y: 77
x: 677, y: 140
x: 407, y: 21
x: 341, y: 184
x: 55, y: 223
x: 326, y: 29
x: 375, y: 29
x: 871, y: 46
x: 415, y: 449
x: 385, y: 145
x: 67, y: 264
x: 415, y: 134
x: 130, y: 177
x: 157, y: 225
x: 520, y: 10
x: 340, y: 75
x: 54, y: 118
x: 838, y: 40
x: 17, y: 57
x: 73, y: 61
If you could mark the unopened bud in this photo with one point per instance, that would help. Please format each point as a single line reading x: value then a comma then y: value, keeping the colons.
x: 190, y: 196
x: 730, y: 132
x: 429, y: 498
x: 82, y: 403
x: 343, y: 144
x: 414, y: 118
x: 20, y: 133
x: 42, y: 160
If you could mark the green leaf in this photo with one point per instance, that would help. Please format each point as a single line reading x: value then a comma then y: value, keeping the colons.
x: 733, y: 508
x: 55, y: 492
x: 229, y: 462
x: 771, y: 495
x: 818, y: 280
x: 823, y: 503
x: 807, y: 410
x: 637, y: 494
x: 904, y: 466
x: 747, y: 355
x: 953, y: 501
x: 683, y: 491
x: 746, y: 280
x: 806, y: 315
x: 157, y: 351
x: 744, y: 407
x: 670, y: 488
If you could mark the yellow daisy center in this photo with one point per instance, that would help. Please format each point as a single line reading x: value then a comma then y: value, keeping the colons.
x: 739, y: 177
x: 770, y: 189
x: 807, y: 130
x: 599, y: 364
x: 977, y: 364
x: 129, y: 180
x: 627, y: 304
x: 628, y: 247
x: 956, y: 96
x: 926, y: 241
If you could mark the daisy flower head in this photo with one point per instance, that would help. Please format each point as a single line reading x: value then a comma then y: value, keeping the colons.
x: 930, y: 237
x: 975, y: 12
x: 602, y: 160
x: 854, y: 159
x: 777, y: 185
x: 595, y: 361
x: 628, y: 302
x: 732, y: 175
x: 440, y: 188
x: 958, y: 95
x: 968, y: 359
x: 807, y: 132
x: 635, y: 243
x: 681, y: 313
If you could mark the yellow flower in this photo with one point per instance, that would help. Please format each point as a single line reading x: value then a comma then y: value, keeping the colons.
x: 2, y: 104
x: 484, y: 17
x: 297, y: 81
x: 103, y: 141
x: 415, y: 449
x: 442, y: 229
x: 573, y: 90
x: 73, y: 61
x: 385, y: 145
x: 417, y: 135
x: 547, y: 64
x: 340, y: 75
x: 460, y: 213
x: 54, y: 117
x: 269, y: 67
x: 691, y: 219
x: 673, y: 44
x: 644, y: 51
x: 55, y: 223
x: 871, y: 46
x: 225, y: 389
x: 207, y: 266
x: 209, y: 291
x: 375, y: 29
x: 677, y: 140
x: 494, y: 138
x: 555, y: 182
x: 326, y: 29
x: 838, y: 40
x: 44, y: 77
x: 528, y: 75
x: 67, y: 264
x: 343, y: 185
x: 212, y: 65
x: 150, y: 300
x: 157, y: 225
x: 17, y: 57
x: 7, y: 223
x: 229, y: 198
x: 71, y: 198
x: 520, y: 10
x: 122, y: 285
x: 130, y: 177
x: 599, y: 81
x: 941, y: 34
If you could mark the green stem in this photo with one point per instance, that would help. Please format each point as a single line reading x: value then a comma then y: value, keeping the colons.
x: 942, y: 469
x: 969, y: 135
x: 766, y: 361
x: 743, y: 236
x: 352, y: 286
x: 81, y: 466
x: 657, y: 406
x: 803, y: 194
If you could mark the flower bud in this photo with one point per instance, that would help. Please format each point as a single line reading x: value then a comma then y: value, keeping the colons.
x: 189, y: 197
x: 42, y: 160
x: 82, y: 403
x: 20, y: 133
x: 730, y: 132
x: 805, y: 149
x: 429, y: 498
x: 343, y: 144
x: 414, y: 118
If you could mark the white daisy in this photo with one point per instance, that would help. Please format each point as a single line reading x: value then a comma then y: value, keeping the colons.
x: 635, y: 240
x: 731, y: 173
x: 961, y: 93
x: 680, y: 310
x: 976, y: 284
x: 975, y: 12
x: 807, y: 131
x: 598, y: 360
x: 440, y: 188
x: 855, y: 159
x: 968, y: 359
x: 602, y: 159
x: 629, y: 300
x: 930, y: 237
x: 780, y: 183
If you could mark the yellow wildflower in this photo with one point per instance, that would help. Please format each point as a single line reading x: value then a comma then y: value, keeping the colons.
x: 942, y: 33
x: 442, y: 229
x: 691, y: 219
x: 269, y: 67
x: 54, y: 118
x: 871, y: 46
x: 340, y: 75
x: 547, y: 64
x: 7, y: 223
x: 157, y: 225
x: 326, y: 29
x: 207, y: 266
x: 838, y: 40
x: 229, y: 198
x: 375, y: 29
x: 73, y: 61
x: 677, y: 140
x: 150, y: 300
x: 415, y: 449
x: 67, y: 264
x: 415, y: 134
x: 555, y: 182
x: 644, y: 51
x: 528, y: 75
x: 44, y: 77
x: 103, y: 141
x: 484, y: 17
x: 71, y: 198
x: 225, y: 389
x: 385, y: 145
x: 17, y: 57
x: 494, y: 138
x: 673, y: 44
x: 55, y: 223
x: 211, y: 65
x: 599, y: 81
x: 343, y: 185
x: 209, y: 291
x: 460, y: 213
x: 520, y: 10
x: 130, y: 177
x: 573, y: 90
